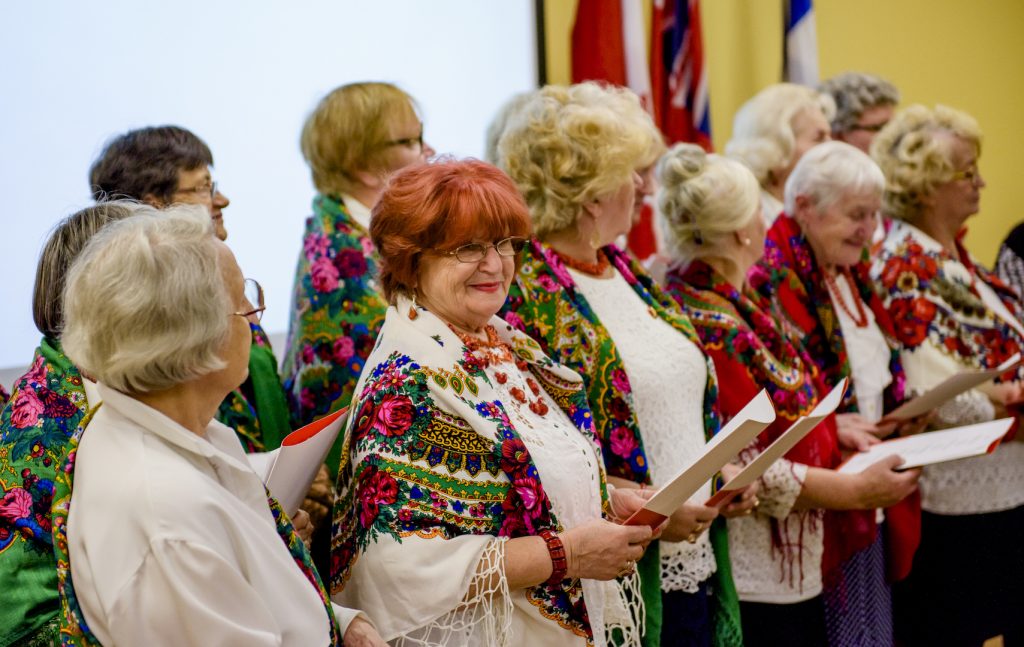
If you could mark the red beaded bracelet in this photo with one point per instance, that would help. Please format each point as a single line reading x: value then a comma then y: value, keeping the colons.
x: 559, y: 566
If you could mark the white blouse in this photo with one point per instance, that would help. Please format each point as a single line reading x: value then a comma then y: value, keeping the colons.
x: 668, y: 375
x: 868, y: 354
x: 171, y: 539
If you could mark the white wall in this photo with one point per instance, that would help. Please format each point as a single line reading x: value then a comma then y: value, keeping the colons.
x: 241, y: 75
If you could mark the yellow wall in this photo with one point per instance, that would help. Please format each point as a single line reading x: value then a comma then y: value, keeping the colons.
x: 968, y: 54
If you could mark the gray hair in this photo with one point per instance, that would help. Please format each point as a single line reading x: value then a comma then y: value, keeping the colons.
x: 497, y: 126
x: 145, y: 301
x: 702, y: 199
x: 855, y: 92
x: 762, y: 131
x: 830, y: 170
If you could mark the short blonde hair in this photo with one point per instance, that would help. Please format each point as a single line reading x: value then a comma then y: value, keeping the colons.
x: 762, y: 131
x: 348, y: 131
x: 145, y: 305
x: 703, y: 199
x: 569, y: 145
x: 915, y: 157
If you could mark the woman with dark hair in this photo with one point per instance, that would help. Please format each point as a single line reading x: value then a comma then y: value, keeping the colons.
x: 471, y: 499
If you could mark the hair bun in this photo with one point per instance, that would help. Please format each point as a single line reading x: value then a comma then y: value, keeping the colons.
x: 681, y: 163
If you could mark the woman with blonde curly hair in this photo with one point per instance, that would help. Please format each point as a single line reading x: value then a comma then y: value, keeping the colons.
x: 773, y: 130
x: 574, y: 156
x: 953, y: 315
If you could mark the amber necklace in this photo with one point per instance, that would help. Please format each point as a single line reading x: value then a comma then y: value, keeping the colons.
x: 494, y: 351
x: 593, y: 269
x: 861, y: 318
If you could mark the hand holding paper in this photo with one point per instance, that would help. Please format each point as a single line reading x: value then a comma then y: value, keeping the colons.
x: 949, y: 389
x: 737, y: 434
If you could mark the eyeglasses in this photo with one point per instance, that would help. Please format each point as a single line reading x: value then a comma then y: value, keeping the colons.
x: 476, y: 252
x: 408, y: 142
x: 971, y: 174
x: 200, y: 192
x: 253, y: 296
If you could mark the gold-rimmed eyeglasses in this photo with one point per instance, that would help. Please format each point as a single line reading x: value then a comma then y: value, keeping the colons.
x: 971, y: 174
x: 254, y: 298
x: 476, y: 252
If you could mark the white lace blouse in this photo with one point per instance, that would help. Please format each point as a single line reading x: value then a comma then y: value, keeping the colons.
x: 667, y: 374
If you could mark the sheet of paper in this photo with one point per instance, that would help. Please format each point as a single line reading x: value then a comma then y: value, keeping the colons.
x: 796, y: 432
x: 934, y: 446
x: 949, y: 389
x: 733, y: 437
x: 300, y: 456
x: 261, y: 462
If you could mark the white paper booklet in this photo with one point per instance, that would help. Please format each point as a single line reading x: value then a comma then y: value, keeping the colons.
x: 934, y: 446
x: 737, y: 434
x: 294, y: 465
x: 949, y: 389
x: 796, y: 432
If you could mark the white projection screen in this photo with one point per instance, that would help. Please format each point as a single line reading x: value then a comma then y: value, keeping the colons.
x: 241, y: 75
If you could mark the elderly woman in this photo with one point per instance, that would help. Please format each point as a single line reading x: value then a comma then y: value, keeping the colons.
x: 48, y: 404
x: 357, y: 136
x: 952, y: 315
x: 574, y: 154
x: 206, y: 557
x: 166, y: 165
x: 814, y: 259
x: 864, y: 105
x: 712, y: 219
x: 472, y: 492
x: 773, y: 130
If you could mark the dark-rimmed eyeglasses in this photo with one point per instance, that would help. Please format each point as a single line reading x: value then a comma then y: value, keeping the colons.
x: 870, y: 128
x: 253, y: 299
x: 476, y: 252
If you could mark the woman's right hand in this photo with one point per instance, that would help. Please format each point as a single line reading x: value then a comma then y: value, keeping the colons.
x: 688, y: 521
x: 602, y: 550
x: 881, y: 486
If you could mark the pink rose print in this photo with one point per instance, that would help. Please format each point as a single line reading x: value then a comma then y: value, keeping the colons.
x: 37, y: 375
x: 16, y: 504
x: 548, y: 283
x: 620, y: 381
x: 528, y: 492
x: 378, y: 488
x: 316, y: 244
x: 367, y: 245
x: 344, y: 349
x: 324, y: 275
x: 394, y: 415
x: 26, y: 409
x: 623, y: 442
x: 350, y: 263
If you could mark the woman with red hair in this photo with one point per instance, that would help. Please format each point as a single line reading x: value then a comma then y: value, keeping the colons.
x: 471, y: 495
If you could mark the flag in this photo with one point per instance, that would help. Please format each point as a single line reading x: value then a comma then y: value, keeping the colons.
x: 608, y: 45
x: 800, y: 46
x: 679, y: 84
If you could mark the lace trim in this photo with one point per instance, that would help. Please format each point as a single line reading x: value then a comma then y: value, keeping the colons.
x: 484, y: 617
x: 624, y: 611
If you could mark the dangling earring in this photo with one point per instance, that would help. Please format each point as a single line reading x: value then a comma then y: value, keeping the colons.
x: 412, y: 309
x: 746, y: 242
x: 595, y: 242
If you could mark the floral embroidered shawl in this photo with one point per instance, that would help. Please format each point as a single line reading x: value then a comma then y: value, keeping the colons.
x: 74, y: 630
x: 798, y: 285
x: 431, y: 455
x: 544, y: 303
x: 4, y: 396
x: 741, y: 332
x: 47, y: 405
x: 336, y: 313
x: 932, y: 298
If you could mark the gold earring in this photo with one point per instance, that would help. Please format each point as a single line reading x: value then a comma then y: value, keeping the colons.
x: 746, y: 242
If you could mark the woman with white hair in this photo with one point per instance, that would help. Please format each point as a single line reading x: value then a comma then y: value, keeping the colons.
x: 773, y: 130
x: 574, y: 153
x: 167, y: 531
x: 711, y: 213
x: 953, y: 315
x: 814, y: 258
x: 864, y: 105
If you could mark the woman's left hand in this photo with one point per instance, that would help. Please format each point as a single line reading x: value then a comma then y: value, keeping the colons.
x: 361, y: 633
x: 855, y: 433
